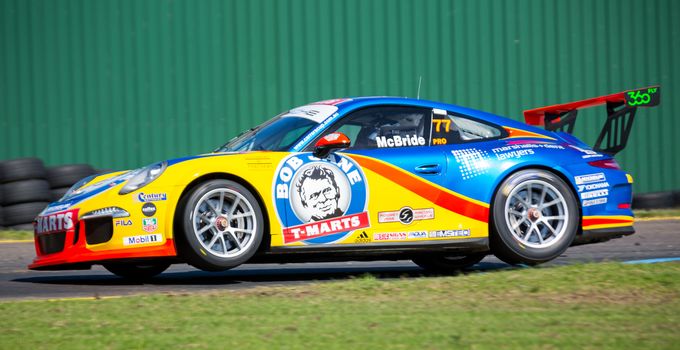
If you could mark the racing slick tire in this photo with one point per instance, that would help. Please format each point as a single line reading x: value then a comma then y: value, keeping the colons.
x: 535, y: 218
x: 25, y: 191
x: 222, y: 225
x: 23, y: 213
x: 448, y: 264
x: 22, y: 169
x: 136, y: 271
x: 67, y: 175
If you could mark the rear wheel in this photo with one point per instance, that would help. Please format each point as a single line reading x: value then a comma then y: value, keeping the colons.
x: 447, y: 264
x: 223, y: 225
x: 136, y: 271
x: 535, y: 217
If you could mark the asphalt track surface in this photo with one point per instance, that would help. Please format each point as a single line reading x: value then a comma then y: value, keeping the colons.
x: 653, y: 240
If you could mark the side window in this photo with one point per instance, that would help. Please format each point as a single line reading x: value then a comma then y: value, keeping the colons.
x: 450, y: 128
x: 385, y: 127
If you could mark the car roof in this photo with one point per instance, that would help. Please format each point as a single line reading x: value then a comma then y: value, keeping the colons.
x: 350, y: 104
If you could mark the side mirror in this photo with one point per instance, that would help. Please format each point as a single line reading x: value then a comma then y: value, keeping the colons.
x: 326, y: 144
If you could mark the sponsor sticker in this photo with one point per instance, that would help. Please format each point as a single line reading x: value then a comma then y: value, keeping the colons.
x: 399, y: 236
x: 151, y: 197
x: 123, y: 222
x: 150, y: 224
x: 149, y: 209
x: 56, y: 222
x: 594, y: 194
x: 406, y: 215
x: 320, y: 200
x: 594, y: 186
x: 449, y: 233
x: 587, y: 153
x: 590, y: 202
x: 317, y: 112
x: 363, y: 238
x: 590, y: 178
x: 142, y: 239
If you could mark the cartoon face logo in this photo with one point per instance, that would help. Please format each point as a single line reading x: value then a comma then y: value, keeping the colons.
x: 318, y: 193
x: 320, y: 201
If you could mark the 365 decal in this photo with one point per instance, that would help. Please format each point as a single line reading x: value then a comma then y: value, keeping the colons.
x: 320, y: 201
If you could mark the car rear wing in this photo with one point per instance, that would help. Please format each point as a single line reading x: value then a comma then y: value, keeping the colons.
x: 621, y: 108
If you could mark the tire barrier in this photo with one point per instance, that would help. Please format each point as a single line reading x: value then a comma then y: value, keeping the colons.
x: 67, y: 175
x: 24, y: 213
x: 22, y: 169
x: 27, y: 186
x: 25, y: 191
x: 654, y: 200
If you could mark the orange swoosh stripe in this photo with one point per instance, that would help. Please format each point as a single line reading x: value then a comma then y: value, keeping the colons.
x: 424, y: 189
x: 515, y: 133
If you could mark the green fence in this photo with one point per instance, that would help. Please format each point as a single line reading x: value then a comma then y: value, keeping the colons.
x: 119, y: 84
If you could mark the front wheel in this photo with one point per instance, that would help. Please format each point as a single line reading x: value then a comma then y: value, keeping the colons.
x: 222, y: 224
x: 136, y: 271
x: 535, y: 218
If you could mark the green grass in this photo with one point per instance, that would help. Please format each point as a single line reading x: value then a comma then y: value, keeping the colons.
x: 11, y: 235
x: 657, y: 213
x: 591, y: 306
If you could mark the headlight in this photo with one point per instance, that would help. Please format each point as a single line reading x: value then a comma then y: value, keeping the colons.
x: 143, y: 177
x: 78, y: 185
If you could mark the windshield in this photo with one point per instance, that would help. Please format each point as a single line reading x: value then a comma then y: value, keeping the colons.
x: 282, y: 131
x: 277, y: 134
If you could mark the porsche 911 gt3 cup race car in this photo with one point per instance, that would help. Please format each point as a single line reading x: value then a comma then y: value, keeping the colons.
x: 359, y: 179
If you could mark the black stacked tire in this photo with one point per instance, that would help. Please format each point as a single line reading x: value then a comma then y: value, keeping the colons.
x: 24, y: 192
x: 62, y: 177
x: 65, y: 176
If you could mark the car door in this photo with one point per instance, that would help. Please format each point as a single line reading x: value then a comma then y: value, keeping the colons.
x: 391, y: 146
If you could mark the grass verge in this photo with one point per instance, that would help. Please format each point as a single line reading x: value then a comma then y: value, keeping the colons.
x: 582, y: 306
x: 12, y: 235
x: 657, y: 213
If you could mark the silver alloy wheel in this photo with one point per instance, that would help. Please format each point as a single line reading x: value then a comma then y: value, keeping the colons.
x: 224, y: 223
x: 536, y: 213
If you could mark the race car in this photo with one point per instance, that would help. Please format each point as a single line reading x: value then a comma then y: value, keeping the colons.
x: 370, y: 178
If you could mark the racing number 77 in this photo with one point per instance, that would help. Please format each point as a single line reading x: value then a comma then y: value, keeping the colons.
x: 438, y: 123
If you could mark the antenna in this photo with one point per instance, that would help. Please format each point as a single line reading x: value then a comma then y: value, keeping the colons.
x: 420, y: 80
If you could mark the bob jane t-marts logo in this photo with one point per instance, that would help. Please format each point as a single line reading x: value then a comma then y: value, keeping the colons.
x: 320, y: 201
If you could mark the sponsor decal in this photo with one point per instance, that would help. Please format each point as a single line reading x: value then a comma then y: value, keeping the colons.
x: 594, y: 194
x: 142, y: 239
x: 58, y: 207
x: 312, y: 134
x: 151, y: 197
x: 590, y: 202
x: 449, y: 233
x: 320, y: 200
x: 124, y: 222
x: 363, y: 238
x: 149, y: 209
x: 316, y: 113
x: 406, y: 215
x: 595, y: 186
x: 472, y: 162
x: 400, y: 141
x: 590, y: 178
x: 56, y: 222
x: 516, y: 151
x: 399, y: 236
x: 150, y: 224
x: 587, y: 153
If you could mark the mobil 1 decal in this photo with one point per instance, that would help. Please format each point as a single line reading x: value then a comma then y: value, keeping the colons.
x: 320, y: 200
